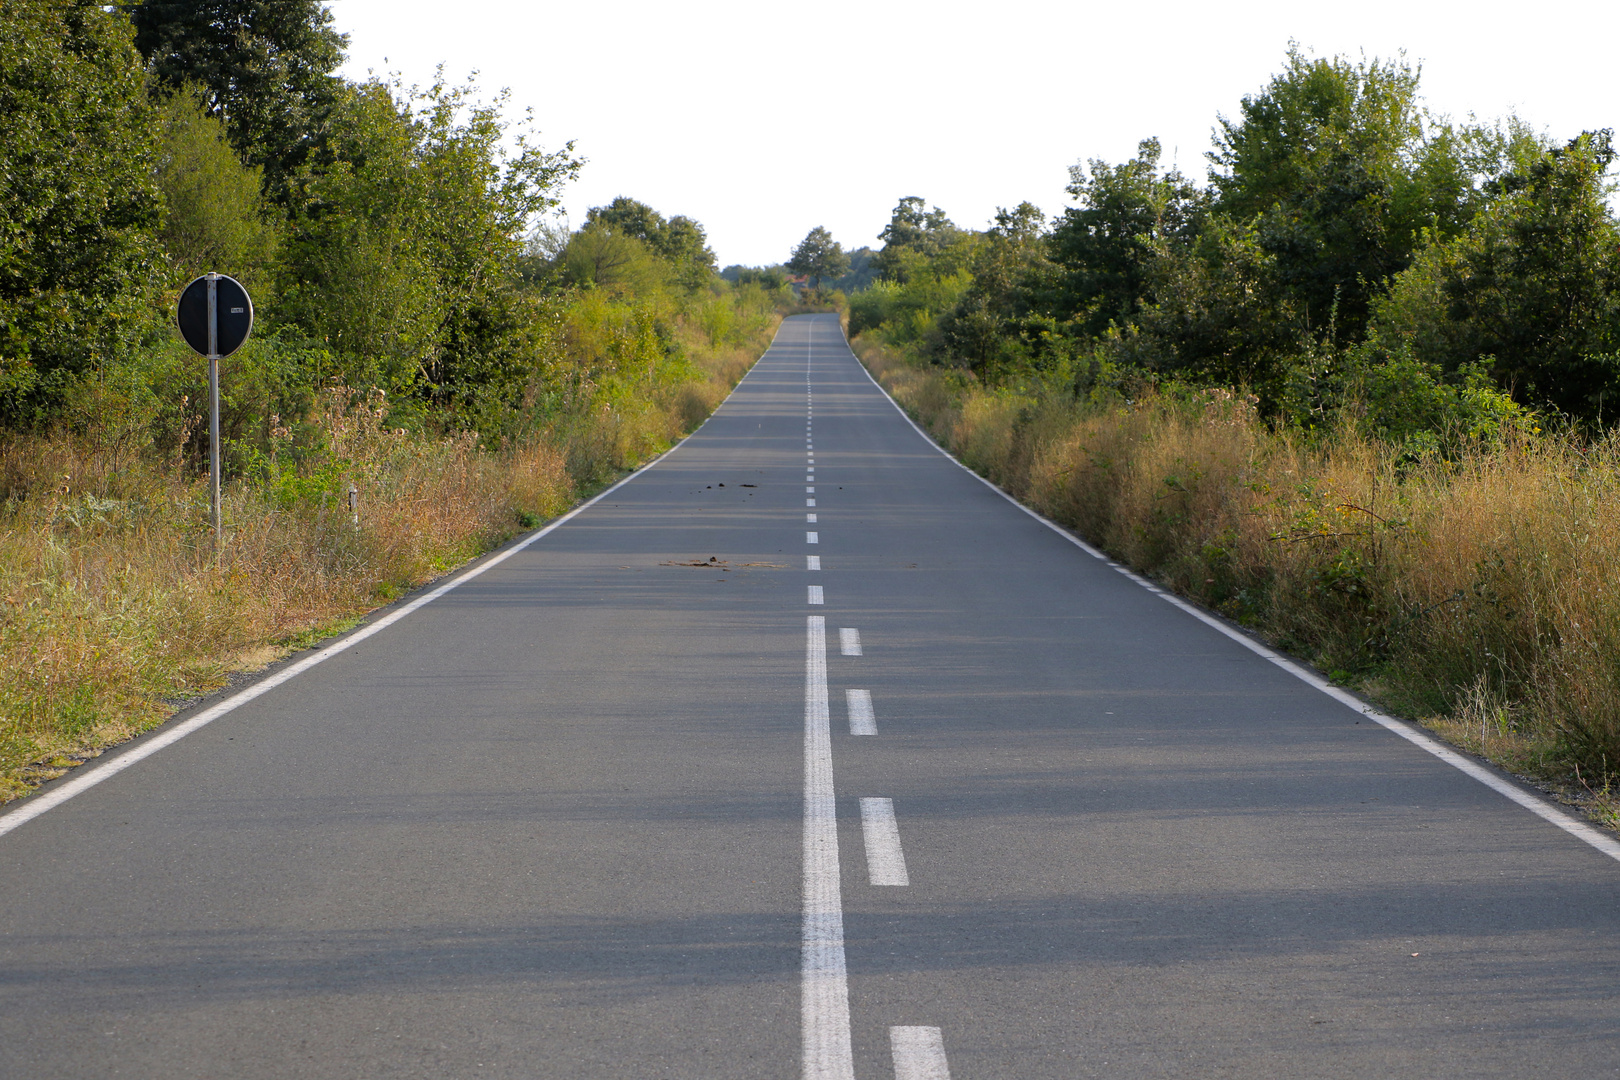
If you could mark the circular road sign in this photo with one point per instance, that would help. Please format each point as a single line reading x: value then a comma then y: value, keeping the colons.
x: 235, y: 314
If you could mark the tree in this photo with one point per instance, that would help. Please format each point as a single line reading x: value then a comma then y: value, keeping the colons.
x: 913, y: 233
x: 1531, y: 288
x: 818, y: 256
x: 266, y: 68
x: 216, y: 218
x: 680, y: 241
x: 1218, y: 314
x: 1104, y: 248
x: 1339, y: 167
x: 602, y: 257
x: 628, y: 217
x: 769, y: 278
x: 686, y: 246
x: 406, y: 235
x: 990, y: 326
x: 78, y: 200
x: 863, y: 271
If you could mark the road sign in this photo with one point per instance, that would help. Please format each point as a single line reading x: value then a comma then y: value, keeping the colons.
x: 215, y: 317
x: 232, y: 307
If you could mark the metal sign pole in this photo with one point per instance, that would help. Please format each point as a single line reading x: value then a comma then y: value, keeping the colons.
x: 213, y: 407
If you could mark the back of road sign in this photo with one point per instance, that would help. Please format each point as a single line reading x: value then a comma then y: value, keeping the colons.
x: 235, y: 314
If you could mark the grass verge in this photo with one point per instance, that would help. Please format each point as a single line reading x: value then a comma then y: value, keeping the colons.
x: 1479, y: 594
x: 116, y: 608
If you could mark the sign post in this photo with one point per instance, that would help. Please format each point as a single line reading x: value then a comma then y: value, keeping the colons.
x: 215, y: 316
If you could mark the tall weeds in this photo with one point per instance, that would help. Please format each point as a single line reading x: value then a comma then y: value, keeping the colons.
x: 1480, y: 593
x: 115, y: 605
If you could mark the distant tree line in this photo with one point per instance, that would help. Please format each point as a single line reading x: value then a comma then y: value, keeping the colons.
x: 818, y: 259
x: 1348, y: 255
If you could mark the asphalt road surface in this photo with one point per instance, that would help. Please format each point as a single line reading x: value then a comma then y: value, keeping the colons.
x: 805, y: 759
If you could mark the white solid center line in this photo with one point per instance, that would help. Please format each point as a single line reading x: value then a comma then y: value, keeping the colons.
x: 861, y: 719
x: 919, y: 1053
x: 812, y: 562
x: 824, y: 1004
x: 885, y: 862
x: 812, y: 538
x: 815, y: 594
x: 849, y: 640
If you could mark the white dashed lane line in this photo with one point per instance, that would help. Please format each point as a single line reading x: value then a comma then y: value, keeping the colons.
x: 861, y: 719
x: 812, y: 538
x: 885, y: 862
x: 810, y: 519
x: 919, y: 1053
x: 815, y: 594
x: 849, y: 638
x: 812, y: 562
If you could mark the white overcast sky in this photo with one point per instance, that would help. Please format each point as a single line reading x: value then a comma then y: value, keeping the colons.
x: 763, y: 120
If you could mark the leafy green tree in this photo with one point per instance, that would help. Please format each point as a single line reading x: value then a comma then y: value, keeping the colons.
x: 78, y: 200
x: 680, y: 241
x: 600, y: 256
x: 629, y: 217
x: 991, y: 326
x: 267, y: 68
x: 771, y: 279
x: 863, y: 270
x: 686, y: 246
x: 818, y: 256
x: 1103, y: 250
x: 1531, y: 289
x: 1218, y: 314
x: 406, y: 236
x: 1339, y: 166
x: 216, y: 217
x: 914, y: 236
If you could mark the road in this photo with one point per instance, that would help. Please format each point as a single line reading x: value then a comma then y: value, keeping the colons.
x: 599, y: 812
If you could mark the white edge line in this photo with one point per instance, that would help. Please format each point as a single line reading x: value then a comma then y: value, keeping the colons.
x: 33, y: 807
x: 1533, y: 803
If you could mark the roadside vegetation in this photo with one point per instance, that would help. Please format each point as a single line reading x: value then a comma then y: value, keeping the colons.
x: 1355, y: 390
x: 430, y: 338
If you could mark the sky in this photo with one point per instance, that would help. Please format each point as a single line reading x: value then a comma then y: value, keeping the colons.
x: 762, y: 121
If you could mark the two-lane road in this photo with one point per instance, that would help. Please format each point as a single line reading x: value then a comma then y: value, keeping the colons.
x: 902, y: 781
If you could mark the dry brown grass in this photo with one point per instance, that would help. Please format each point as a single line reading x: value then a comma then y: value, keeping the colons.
x: 1480, y: 595
x: 115, y: 604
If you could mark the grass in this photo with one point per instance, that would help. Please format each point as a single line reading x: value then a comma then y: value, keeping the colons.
x: 116, y: 608
x: 1478, y: 594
